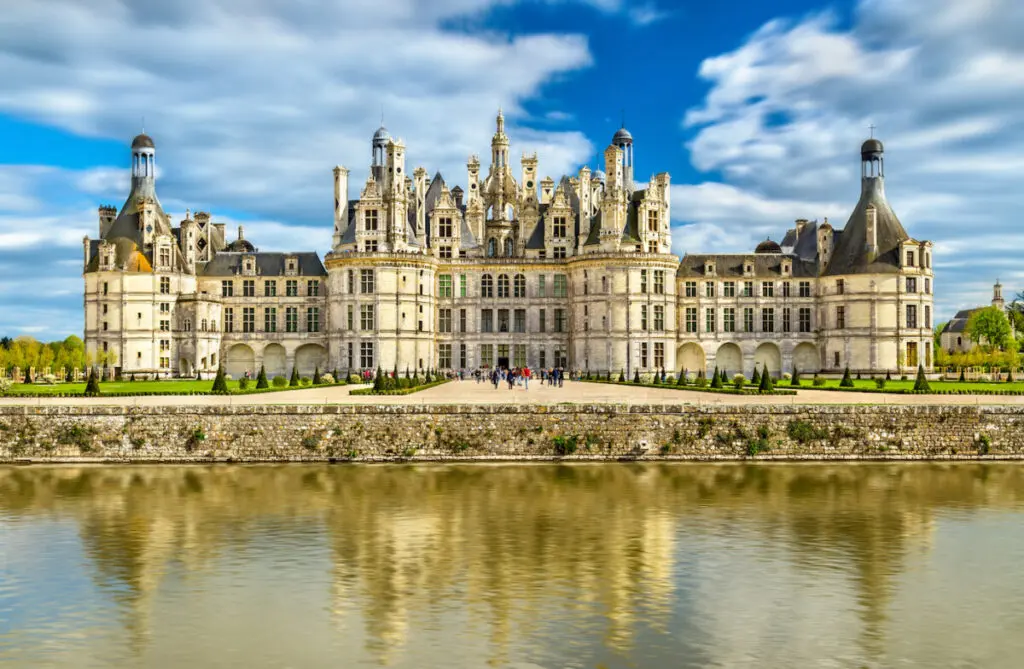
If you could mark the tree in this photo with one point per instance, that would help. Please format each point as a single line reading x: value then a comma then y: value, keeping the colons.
x: 261, y: 380
x: 921, y: 383
x: 378, y: 380
x: 316, y: 376
x: 755, y: 380
x: 716, y: 379
x: 847, y: 382
x: 636, y: 376
x: 622, y: 376
x: 92, y: 386
x: 766, y: 385
x: 681, y: 381
x: 989, y: 328
x: 795, y: 381
x: 294, y: 381
x: 937, y: 335
x: 963, y: 378
x: 220, y: 383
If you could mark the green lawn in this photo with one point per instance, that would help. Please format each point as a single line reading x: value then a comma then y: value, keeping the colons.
x: 131, y: 387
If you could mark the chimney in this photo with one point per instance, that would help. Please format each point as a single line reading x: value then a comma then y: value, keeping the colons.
x: 340, y: 203
x: 871, y: 236
x: 241, y: 233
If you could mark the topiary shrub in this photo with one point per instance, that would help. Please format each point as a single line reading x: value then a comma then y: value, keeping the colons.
x: 316, y: 376
x: 261, y: 379
x: 636, y: 376
x: 963, y: 379
x: 92, y: 386
x: 294, y: 381
x: 921, y: 382
x: 243, y: 383
x: 766, y: 385
x: 657, y: 379
x: 847, y: 381
x: 378, y: 380
x: 888, y: 376
x: 818, y: 381
x: 738, y: 381
x: 681, y: 379
x: 880, y: 384
x: 279, y: 381
x: 327, y: 379
x: 305, y: 381
x: 220, y: 383
x: 716, y: 379
x: 755, y: 380
x: 795, y: 381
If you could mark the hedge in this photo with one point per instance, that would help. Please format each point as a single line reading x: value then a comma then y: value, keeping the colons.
x: 706, y: 389
x: 397, y: 391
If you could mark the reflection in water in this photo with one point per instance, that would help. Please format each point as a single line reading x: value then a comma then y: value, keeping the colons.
x: 512, y: 566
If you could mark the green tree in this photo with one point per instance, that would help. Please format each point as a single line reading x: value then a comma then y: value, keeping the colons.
x: 316, y: 376
x: 220, y: 383
x: 294, y: 381
x: 989, y: 327
x: 766, y: 385
x: 92, y: 386
x: 937, y: 335
x: 755, y: 380
x: 716, y: 379
x: 636, y: 376
x: 921, y: 382
x: 261, y: 380
x: 847, y: 382
x: 795, y: 381
x: 681, y: 381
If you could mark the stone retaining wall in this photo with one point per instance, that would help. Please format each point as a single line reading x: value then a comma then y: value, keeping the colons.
x: 506, y: 432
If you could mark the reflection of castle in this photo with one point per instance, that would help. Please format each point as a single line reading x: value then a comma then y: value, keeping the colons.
x: 576, y: 272
x: 516, y: 557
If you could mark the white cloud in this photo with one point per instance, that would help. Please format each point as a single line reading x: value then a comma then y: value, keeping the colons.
x: 941, y: 80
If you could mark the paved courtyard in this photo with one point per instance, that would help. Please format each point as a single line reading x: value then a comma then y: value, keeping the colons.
x: 471, y: 392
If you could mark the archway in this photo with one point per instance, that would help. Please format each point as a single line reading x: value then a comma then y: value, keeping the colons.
x: 690, y: 356
x: 184, y: 367
x: 806, y: 358
x: 240, y: 359
x: 729, y: 359
x: 274, y: 360
x: 767, y: 356
x: 308, y: 357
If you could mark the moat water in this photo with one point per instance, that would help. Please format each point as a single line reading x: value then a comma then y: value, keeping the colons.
x: 521, y: 566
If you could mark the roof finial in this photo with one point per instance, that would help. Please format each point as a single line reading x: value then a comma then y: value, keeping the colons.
x: 872, y: 129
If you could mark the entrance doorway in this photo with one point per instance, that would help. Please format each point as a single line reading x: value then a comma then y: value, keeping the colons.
x: 502, y: 363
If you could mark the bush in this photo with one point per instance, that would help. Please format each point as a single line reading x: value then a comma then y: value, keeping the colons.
x: 279, y: 381
x: 305, y: 381
x: 220, y: 383
x: 963, y: 379
x: 701, y: 382
x: 92, y: 386
x: 243, y: 383
x: 565, y: 445
x: 787, y: 377
x: 755, y: 380
x: 261, y: 380
x: 636, y: 376
x: 888, y: 376
x: 766, y: 385
x: 738, y: 381
x: 795, y: 381
x: 921, y: 383
x: 317, y: 380
x: 327, y: 378
x: 716, y: 379
x: 818, y: 381
x: 5, y: 385
x: 294, y: 381
x: 880, y: 384
x: 847, y: 381
x: 681, y: 379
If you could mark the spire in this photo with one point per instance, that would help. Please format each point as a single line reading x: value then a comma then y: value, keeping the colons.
x: 500, y: 123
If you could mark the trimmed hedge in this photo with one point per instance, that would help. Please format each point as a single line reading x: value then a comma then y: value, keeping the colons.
x: 397, y: 391
x: 699, y: 389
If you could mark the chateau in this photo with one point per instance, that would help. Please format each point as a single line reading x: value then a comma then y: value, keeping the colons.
x: 512, y: 270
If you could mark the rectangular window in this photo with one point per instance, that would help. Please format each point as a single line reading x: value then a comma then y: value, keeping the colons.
x: 840, y: 317
x: 503, y: 351
x: 767, y: 289
x: 462, y: 356
x: 444, y: 252
x: 927, y: 316
x: 370, y: 246
x: 165, y: 345
x: 643, y: 355
x: 350, y: 316
x: 748, y: 319
x: 444, y: 227
x: 366, y: 317
x: 487, y: 320
x: 503, y: 320
x: 312, y: 288
x: 709, y: 320
x: 366, y: 355
x: 542, y: 286
x: 709, y: 289
x: 840, y: 287
x: 366, y: 282
x: 462, y: 321
x: 444, y: 320
x: 487, y: 286
x: 370, y: 220
x: 911, y: 315
x: 643, y: 281
x: 805, y: 319
x: 165, y: 286
x: 487, y: 355
x: 805, y: 289
x: 691, y: 289
x: 519, y: 355
x: 291, y: 319
x: 561, y: 361
x: 561, y: 286
x: 659, y: 282
x: 165, y: 308
x: 444, y: 285
x: 768, y: 320
x: 270, y: 319
x: 558, y: 253
x: 165, y: 363
x: 249, y: 288
x: 910, y: 258
x: 652, y: 221
x: 351, y: 350
x: 351, y: 284
x: 543, y: 359
x: 659, y: 317
x: 643, y: 317
x: 911, y: 284
x: 729, y: 289
x: 928, y: 286
x: 463, y: 288
x: 444, y: 356
x: 912, y: 354
x: 560, y: 320
x: 786, y: 316
x: 227, y: 288
x: 229, y: 320
x: 542, y: 327
x: 248, y: 319
x: 106, y: 288
x: 313, y: 319
x: 691, y: 319
x: 729, y: 319
x: 785, y: 289
x: 748, y: 289
x: 519, y: 321
x: 659, y: 355
x: 270, y: 289
x: 559, y: 229
x: 291, y: 288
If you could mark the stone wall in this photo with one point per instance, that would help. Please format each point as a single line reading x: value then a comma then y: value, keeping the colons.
x: 516, y: 432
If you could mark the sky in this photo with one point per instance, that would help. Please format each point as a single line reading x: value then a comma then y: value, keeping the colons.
x: 756, y: 109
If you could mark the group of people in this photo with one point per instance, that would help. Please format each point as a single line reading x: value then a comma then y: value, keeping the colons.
x: 519, y: 376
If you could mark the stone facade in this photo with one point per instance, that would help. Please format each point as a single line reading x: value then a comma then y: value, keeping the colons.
x: 507, y: 432
x: 511, y: 271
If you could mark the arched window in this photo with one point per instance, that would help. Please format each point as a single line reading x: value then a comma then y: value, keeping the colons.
x: 508, y: 246
x: 486, y: 286
x: 503, y: 285
x: 519, y: 286
x: 492, y: 247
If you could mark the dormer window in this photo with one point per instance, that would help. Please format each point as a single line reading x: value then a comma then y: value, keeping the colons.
x: 709, y: 268
x: 291, y: 266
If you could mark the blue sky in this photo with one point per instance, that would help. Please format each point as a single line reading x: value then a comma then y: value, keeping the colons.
x: 756, y: 109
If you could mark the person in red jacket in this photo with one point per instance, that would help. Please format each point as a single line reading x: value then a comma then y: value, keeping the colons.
x: 526, y: 378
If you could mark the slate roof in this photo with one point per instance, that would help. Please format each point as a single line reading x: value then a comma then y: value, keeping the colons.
x: 227, y: 263
x: 850, y: 255
x: 958, y: 323
x: 730, y: 265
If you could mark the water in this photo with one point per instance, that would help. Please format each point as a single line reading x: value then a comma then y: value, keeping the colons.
x: 542, y: 566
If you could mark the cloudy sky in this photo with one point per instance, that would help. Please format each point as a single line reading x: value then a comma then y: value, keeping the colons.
x: 756, y: 109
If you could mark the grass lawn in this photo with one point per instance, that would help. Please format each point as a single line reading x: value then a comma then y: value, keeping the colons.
x: 130, y: 387
x: 909, y: 385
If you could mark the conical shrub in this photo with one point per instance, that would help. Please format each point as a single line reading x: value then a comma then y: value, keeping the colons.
x: 847, y: 381
x: 795, y: 381
x: 294, y: 381
x: 92, y: 385
x: 716, y: 379
x: 636, y: 376
x: 766, y: 385
x: 316, y: 376
x: 681, y: 381
x: 220, y: 383
x: 963, y: 378
x: 921, y: 382
x: 261, y: 380
x: 755, y: 380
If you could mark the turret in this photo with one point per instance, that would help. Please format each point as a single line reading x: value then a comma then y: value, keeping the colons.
x: 499, y: 144
x: 379, y: 148
x: 624, y: 141
x: 997, y: 296
x: 340, y: 204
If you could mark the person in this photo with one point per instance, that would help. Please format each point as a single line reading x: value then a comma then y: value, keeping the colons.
x: 526, y: 378
x: 511, y: 379
x: 561, y: 377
